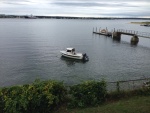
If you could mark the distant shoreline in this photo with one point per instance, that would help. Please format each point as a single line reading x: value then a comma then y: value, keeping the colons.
x: 140, y: 22
x: 66, y: 17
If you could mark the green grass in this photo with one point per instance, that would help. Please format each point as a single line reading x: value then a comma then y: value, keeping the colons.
x: 138, y: 104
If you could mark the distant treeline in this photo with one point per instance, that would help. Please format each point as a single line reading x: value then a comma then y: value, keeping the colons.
x: 63, y: 17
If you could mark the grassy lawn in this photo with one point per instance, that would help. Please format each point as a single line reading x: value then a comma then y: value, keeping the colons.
x: 138, y: 104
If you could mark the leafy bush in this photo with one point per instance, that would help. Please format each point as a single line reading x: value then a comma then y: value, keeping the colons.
x: 116, y: 95
x: 44, y: 97
x: 142, y: 91
x: 88, y: 94
x: 39, y: 97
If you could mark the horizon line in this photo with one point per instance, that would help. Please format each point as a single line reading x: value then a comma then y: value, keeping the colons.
x: 72, y: 16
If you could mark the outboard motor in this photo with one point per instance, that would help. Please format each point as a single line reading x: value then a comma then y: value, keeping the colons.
x: 85, y: 57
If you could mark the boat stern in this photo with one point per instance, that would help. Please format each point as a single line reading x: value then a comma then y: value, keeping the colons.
x: 85, y: 57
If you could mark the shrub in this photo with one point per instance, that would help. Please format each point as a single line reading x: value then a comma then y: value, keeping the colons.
x: 88, y: 94
x: 116, y: 95
x: 39, y: 97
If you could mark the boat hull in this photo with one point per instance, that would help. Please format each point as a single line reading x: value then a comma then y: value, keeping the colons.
x: 73, y: 56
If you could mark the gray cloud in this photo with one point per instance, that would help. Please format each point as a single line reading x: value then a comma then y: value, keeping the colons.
x: 90, y: 4
x: 109, y: 8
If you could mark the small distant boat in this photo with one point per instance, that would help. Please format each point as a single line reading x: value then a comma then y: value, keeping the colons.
x: 70, y: 53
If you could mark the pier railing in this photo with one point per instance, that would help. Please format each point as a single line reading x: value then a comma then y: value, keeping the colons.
x: 124, y: 31
x: 138, y: 33
x: 127, y: 85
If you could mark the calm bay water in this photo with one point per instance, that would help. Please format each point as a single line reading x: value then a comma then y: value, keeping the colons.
x: 29, y: 50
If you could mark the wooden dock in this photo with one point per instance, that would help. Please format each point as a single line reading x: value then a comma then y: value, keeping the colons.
x: 116, y: 34
x: 132, y: 33
x: 121, y: 31
x: 104, y: 32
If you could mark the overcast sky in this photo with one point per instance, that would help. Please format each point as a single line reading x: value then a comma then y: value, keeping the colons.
x: 81, y: 8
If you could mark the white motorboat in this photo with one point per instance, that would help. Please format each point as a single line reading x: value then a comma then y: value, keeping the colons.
x: 70, y: 53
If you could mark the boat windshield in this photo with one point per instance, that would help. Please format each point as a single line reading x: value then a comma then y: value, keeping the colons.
x: 69, y: 51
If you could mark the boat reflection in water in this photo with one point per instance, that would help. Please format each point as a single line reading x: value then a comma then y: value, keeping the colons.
x: 72, y: 62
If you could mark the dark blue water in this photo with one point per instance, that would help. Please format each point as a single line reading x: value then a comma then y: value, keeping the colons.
x: 30, y: 49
